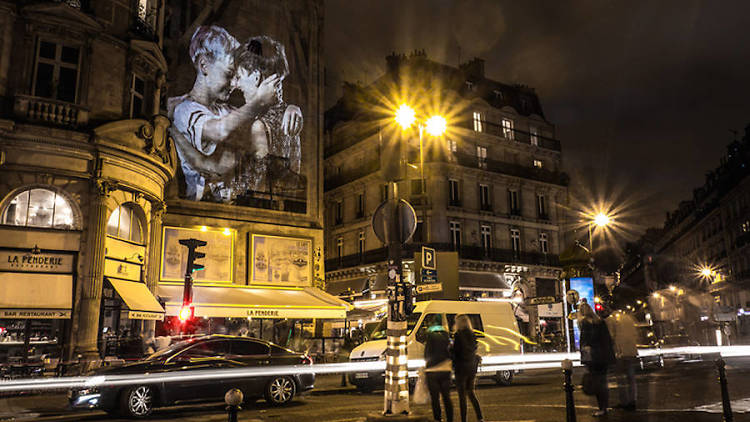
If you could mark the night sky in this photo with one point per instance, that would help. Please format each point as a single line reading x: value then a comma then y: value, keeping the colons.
x: 645, y: 95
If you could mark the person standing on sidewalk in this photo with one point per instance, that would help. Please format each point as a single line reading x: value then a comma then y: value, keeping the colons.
x: 465, y: 363
x: 437, y: 360
x: 624, y: 337
x: 596, y: 354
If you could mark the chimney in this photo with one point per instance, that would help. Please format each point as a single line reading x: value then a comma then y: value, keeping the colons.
x: 473, y: 69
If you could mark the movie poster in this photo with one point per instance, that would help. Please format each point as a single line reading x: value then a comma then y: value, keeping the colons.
x: 280, y: 261
x: 236, y: 107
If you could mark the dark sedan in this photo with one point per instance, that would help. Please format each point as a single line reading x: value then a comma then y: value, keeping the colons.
x: 185, y: 357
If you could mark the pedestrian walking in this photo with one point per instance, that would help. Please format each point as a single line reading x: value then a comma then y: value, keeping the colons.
x: 465, y: 363
x: 597, y: 354
x: 624, y: 341
x: 437, y: 357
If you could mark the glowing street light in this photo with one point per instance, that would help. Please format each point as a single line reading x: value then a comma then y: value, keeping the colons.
x: 405, y: 116
x: 706, y: 272
x: 436, y: 125
x: 601, y: 219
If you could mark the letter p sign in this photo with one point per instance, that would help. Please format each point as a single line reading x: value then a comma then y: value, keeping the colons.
x: 428, y: 258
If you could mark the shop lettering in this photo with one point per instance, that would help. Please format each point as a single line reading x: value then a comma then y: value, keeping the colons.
x: 34, y: 260
x: 262, y: 313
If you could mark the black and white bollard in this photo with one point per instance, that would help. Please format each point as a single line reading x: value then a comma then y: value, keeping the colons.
x: 233, y: 399
x: 570, y: 406
x: 725, y: 403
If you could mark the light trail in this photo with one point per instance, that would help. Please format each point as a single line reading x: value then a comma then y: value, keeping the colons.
x: 489, y: 364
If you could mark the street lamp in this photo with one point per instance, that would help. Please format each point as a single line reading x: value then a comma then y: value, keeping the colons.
x: 436, y: 126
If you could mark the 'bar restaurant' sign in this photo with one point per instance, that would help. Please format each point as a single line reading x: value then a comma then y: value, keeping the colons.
x: 42, y: 262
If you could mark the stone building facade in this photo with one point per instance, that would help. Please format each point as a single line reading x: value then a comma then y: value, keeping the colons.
x: 84, y: 162
x: 493, y: 183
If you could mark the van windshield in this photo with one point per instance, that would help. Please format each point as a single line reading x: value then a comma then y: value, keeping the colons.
x: 379, y: 333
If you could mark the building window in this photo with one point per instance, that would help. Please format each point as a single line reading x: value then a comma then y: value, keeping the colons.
x: 543, y: 243
x: 137, y: 95
x: 515, y: 241
x: 56, y: 71
x: 339, y: 212
x: 361, y: 243
x: 340, y: 246
x: 514, y: 206
x: 124, y: 224
x: 486, y: 231
x: 534, y: 135
x: 541, y: 206
x: 452, y: 145
x: 508, y: 129
x: 455, y: 227
x: 384, y: 192
x: 39, y: 208
x: 477, y: 121
x: 361, y: 205
x: 454, y: 193
x: 538, y: 164
x: 485, y: 203
x: 481, y: 157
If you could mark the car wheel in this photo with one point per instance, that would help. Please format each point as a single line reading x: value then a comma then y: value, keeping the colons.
x: 280, y: 390
x: 504, y: 377
x: 138, y: 401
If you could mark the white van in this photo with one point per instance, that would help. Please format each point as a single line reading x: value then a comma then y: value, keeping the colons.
x: 495, y: 323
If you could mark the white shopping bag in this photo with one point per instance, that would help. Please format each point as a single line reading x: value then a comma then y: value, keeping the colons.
x: 421, y: 395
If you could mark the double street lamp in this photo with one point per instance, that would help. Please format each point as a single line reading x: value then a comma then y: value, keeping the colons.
x: 435, y: 126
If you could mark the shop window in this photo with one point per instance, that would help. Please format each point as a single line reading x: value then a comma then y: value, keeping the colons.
x: 125, y: 224
x: 56, y: 71
x: 39, y: 208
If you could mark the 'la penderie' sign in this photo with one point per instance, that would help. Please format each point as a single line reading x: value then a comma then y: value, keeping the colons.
x: 21, y: 261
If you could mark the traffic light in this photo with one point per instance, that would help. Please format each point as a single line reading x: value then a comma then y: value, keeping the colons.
x: 187, y: 312
x: 410, y: 297
x: 193, y: 255
x: 598, y: 307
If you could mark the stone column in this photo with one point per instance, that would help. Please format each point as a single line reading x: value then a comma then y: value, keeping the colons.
x: 153, y: 266
x: 92, y: 278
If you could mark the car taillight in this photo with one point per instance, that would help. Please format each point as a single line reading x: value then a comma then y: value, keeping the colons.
x: 306, y: 360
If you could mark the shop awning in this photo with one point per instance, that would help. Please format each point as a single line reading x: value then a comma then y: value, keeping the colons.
x: 138, y: 298
x: 255, y: 302
x: 478, y: 280
x: 35, y: 295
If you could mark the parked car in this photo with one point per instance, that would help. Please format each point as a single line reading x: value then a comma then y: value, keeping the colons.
x: 201, y: 353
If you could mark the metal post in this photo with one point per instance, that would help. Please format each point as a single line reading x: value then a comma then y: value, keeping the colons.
x: 233, y: 398
x: 396, y: 395
x: 425, y: 233
x: 725, y: 403
x: 570, y: 407
x: 565, y: 313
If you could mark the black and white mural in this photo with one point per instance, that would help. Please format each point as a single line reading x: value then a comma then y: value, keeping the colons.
x: 238, y: 140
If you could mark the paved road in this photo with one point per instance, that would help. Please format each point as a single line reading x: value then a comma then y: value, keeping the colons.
x: 672, y: 394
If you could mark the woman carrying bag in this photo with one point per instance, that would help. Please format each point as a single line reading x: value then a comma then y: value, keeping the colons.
x: 438, y: 367
x: 597, y: 354
x: 465, y: 363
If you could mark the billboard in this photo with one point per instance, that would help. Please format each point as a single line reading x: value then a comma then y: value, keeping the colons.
x: 218, y: 260
x: 585, y: 288
x: 280, y: 261
x: 240, y: 85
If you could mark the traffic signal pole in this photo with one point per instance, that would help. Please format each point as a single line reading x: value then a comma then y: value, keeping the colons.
x: 396, y: 397
x: 187, y: 310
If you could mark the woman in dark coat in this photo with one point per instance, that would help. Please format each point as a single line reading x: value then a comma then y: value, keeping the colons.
x: 596, y: 353
x: 438, y: 367
x: 465, y: 362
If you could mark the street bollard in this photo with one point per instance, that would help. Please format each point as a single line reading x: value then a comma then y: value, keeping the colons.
x: 570, y: 406
x: 726, y: 404
x: 233, y: 399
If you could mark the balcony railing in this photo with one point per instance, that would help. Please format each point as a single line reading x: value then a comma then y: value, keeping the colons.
x: 477, y: 253
x: 45, y: 110
x: 351, y: 175
x: 543, y: 175
x: 520, y: 136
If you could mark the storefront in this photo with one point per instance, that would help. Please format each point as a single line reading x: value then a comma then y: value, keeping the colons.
x: 36, y: 301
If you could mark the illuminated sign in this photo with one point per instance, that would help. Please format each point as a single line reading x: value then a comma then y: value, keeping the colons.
x: 280, y: 261
x: 219, y: 254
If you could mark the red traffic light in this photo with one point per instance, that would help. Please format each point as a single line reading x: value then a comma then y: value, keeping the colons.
x: 598, y: 307
x: 186, y: 313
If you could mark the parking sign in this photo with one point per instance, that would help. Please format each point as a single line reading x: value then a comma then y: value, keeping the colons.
x: 428, y: 258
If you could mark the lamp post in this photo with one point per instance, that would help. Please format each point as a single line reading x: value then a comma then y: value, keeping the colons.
x: 436, y: 126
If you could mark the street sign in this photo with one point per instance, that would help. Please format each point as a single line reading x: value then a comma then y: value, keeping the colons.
x: 405, y: 226
x: 551, y: 310
x: 541, y: 300
x: 428, y: 258
x: 429, y: 288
